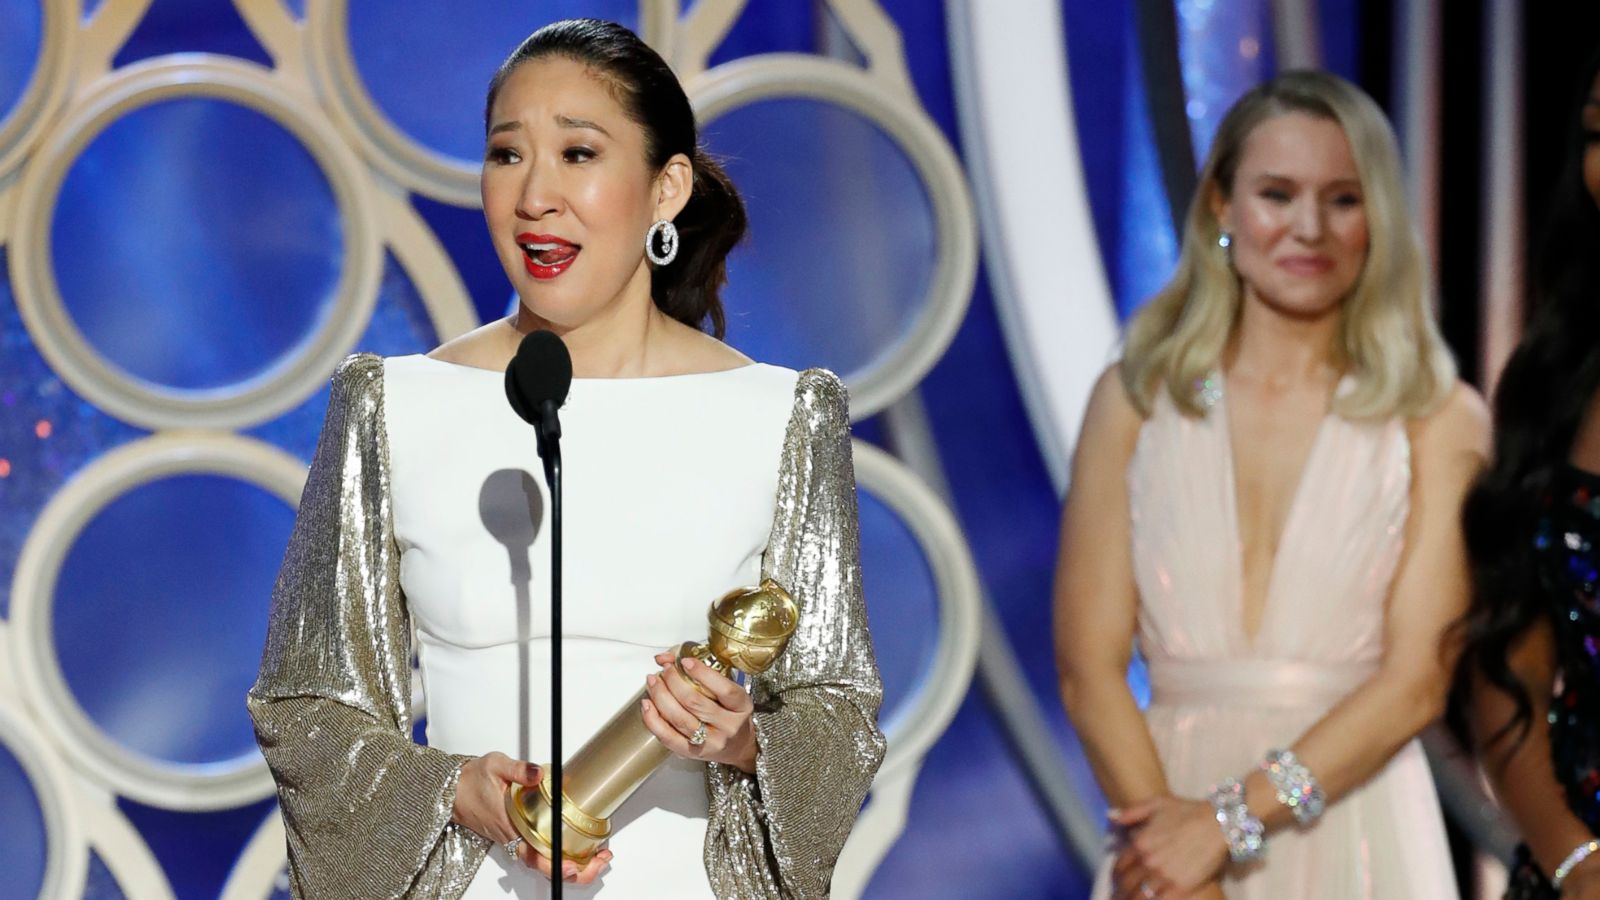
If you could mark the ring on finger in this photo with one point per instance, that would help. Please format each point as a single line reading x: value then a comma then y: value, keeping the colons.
x: 699, y: 736
x: 1145, y: 890
x: 512, y: 845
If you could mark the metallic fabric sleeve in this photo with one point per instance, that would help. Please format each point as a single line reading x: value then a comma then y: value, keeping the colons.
x: 367, y: 811
x: 778, y: 833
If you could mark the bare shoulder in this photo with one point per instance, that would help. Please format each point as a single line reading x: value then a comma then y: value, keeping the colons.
x: 1111, y: 422
x: 489, y: 346
x: 1460, y: 426
x: 1585, y: 450
x: 1450, y: 445
x: 1110, y: 407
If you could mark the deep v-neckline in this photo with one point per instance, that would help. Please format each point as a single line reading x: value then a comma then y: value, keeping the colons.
x: 1308, y: 470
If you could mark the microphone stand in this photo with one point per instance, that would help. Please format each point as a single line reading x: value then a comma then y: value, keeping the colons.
x: 549, y: 433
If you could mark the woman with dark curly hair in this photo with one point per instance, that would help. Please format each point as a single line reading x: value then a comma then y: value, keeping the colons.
x: 1532, y: 668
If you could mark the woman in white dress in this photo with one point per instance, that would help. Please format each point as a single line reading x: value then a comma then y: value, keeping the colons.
x: 689, y: 470
x: 1266, y: 497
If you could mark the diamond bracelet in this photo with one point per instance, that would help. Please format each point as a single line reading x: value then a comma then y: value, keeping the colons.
x: 1245, y: 836
x: 1578, y: 855
x: 1297, y: 788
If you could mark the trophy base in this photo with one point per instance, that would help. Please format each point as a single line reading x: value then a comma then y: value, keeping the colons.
x: 532, y: 814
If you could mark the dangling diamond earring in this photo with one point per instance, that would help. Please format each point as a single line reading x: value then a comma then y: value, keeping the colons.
x: 669, y: 242
x: 1225, y: 240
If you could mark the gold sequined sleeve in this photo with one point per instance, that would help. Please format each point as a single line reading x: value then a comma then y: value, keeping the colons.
x: 778, y: 833
x: 367, y: 810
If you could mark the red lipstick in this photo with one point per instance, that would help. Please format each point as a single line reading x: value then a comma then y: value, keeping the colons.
x: 546, y: 255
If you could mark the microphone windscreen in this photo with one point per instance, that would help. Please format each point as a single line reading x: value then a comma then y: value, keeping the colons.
x: 541, y: 371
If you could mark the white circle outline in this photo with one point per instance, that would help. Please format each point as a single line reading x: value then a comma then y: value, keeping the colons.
x: 185, y: 787
x: 259, y: 864
x: 923, y: 715
x: 123, y: 849
x: 399, y: 155
x: 47, y: 83
x: 66, y: 847
x: 293, y: 377
x: 903, y: 364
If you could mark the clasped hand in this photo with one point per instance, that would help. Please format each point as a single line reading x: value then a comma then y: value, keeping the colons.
x: 1173, y: 849
x: 481, y: 806
x: 675, y: 711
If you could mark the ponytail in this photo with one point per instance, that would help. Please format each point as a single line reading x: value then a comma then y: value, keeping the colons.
x: 688, y: 288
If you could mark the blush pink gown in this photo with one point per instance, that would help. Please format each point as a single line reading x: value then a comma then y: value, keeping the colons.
x: 1221, y: 699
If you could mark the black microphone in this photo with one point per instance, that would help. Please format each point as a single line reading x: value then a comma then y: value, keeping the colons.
x: 537, y: 381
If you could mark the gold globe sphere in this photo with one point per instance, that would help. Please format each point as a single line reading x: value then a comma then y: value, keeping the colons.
x: 750, y: 626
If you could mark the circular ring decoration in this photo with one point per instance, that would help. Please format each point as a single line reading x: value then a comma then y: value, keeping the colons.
x: 907, y: 360
x: 260, y: 865
x: 51, y: 74
x: 153, y: 782
x: 66, y: 853
x: 929, y: 708
x: 400, y: 156
x: 123, y: 851
x: 292, y: 378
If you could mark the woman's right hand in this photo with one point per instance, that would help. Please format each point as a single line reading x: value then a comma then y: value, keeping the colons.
x: 481, y: 807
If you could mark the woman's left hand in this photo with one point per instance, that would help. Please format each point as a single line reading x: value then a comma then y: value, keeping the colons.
x: 675, y: 710
x: 1174, y: 843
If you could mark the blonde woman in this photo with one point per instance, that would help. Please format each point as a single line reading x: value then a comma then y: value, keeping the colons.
x: 1266, y: 497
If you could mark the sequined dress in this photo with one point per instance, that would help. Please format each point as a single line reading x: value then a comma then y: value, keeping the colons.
x: 422, y: 528
x: 1220, y: 698
x: 1568, y: 561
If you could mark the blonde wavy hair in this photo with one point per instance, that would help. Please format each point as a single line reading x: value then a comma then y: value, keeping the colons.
x: 1387, y: 340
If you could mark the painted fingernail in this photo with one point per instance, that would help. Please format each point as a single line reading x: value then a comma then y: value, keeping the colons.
x: 652, y: 679
x: 648, y: 705
x: 689, y: 663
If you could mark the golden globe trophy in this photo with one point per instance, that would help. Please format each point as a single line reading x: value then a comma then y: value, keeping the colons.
x: 749, y: 629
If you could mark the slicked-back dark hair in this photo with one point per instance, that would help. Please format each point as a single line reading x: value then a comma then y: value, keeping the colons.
x: 687, y: 289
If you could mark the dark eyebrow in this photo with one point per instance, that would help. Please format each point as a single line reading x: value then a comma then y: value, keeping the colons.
x: 569, y: 122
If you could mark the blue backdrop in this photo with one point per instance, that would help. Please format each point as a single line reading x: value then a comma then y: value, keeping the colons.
x: 196, y: 241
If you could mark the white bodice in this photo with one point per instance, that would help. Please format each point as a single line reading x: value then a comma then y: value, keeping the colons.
x: 669, y: 486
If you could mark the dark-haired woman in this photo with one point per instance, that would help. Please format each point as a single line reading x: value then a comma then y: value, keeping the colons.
x: 1533, y: 530
x: 689, y: 470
